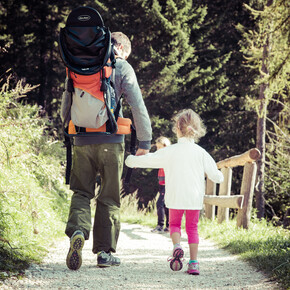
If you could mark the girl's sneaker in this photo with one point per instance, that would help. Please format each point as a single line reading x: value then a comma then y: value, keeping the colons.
x: 176, y: 259
x: 193, y: 268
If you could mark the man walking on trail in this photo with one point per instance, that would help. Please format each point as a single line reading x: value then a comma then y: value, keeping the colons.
x: 104, y: 155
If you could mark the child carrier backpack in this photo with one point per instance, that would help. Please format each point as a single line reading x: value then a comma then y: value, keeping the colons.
x: 89, y: 105
x: 89, y: 101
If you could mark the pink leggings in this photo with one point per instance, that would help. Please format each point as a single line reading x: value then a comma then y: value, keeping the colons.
x: 191, y: 222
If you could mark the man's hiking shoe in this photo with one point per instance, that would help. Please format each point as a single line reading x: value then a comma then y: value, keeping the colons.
x: 166, y: 230
x: 107, y: 260
x: 176, y: 259
x: 193, y: 268
x: 74, y: 256
x: 158, y: 229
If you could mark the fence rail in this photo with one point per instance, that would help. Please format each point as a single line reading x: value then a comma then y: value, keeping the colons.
x: 224, y: 200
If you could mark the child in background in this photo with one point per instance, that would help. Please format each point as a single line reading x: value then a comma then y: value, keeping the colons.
x: 185, y: 165
x: 162, y: 210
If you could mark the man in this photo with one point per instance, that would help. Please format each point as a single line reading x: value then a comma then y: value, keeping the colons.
x: 104, y: 155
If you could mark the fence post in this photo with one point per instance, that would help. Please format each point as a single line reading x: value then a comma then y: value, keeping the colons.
x: 225, y: 189
x: 210, y: 190
x: 247, y: 189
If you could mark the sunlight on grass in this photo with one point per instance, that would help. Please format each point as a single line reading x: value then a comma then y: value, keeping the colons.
x: 33, y: 196
x: 131, y: 214
x: 266, y: 247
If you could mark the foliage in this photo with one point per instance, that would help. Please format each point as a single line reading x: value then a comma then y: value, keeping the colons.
x: 266, y: 247
x: 34, y: 199
x: 30, y: 29
x: 277, y: 173
x: 183, y: 58
x: 177, y: 66
x: 185, y: 54
x: 267, y: 50
x: 131, y: 213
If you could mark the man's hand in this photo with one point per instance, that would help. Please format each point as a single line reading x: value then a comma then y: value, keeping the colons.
x: 141, y: 152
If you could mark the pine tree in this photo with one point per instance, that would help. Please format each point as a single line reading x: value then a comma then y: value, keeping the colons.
x: 268, y: 50
x: 178, y: 62
x: 175, y: 66
x: 29, y: 45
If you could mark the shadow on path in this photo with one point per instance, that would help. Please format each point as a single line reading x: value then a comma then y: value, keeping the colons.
x: 144, y: 265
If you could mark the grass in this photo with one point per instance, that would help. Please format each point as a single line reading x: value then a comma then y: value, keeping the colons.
x: 34, y: 201
x: 263, y: 245
x: 33, y: 197
x: 131, y: 215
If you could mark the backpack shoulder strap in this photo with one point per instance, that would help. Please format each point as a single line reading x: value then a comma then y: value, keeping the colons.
x: 68, y: 144
x: 133, y: 152
x: 67, y: 140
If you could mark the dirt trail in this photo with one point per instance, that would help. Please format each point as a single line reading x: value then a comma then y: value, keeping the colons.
x: 144, y: 266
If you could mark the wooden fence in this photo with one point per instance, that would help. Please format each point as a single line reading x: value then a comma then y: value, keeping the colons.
x: 224, y: 201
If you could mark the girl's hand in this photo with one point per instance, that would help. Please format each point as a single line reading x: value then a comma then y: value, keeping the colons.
x: 141, y: 152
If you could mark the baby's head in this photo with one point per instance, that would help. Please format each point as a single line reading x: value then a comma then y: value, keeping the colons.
x: 189, y: 124
x: 162, y: 142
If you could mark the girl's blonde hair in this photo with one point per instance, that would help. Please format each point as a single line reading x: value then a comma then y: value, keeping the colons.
x: 190, y: 124
x: 163, y: 140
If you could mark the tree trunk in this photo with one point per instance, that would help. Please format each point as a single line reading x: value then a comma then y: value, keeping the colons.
x: 42, y: 57
x: 261, y: 133
x: 261, y: 136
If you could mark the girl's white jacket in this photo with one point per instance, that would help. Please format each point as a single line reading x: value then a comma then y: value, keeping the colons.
x: 185, y: 165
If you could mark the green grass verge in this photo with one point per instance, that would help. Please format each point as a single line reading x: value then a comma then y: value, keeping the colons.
x: 264, y: 246
x: 131, y: 215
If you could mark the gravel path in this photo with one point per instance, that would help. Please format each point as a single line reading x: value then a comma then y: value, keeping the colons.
x: 143, y: 266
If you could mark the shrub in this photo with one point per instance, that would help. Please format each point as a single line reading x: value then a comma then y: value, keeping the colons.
x: 33, y: 197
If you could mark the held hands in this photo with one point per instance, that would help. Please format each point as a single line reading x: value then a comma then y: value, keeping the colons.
x: 141, y: 152
x: 130, y: 159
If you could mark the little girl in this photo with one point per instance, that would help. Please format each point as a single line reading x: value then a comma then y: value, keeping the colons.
x: 185, y: 165
x: 162, y: 210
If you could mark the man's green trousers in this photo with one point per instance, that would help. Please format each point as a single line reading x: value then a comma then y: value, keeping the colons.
x: 89, y: 161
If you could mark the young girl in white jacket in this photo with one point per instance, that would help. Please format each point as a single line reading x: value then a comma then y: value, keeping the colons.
x: 185, y: 165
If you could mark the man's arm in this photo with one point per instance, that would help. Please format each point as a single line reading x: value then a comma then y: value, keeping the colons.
x: 133, y: 95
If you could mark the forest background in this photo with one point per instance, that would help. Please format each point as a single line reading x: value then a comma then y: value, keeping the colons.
x: 227, y: 60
